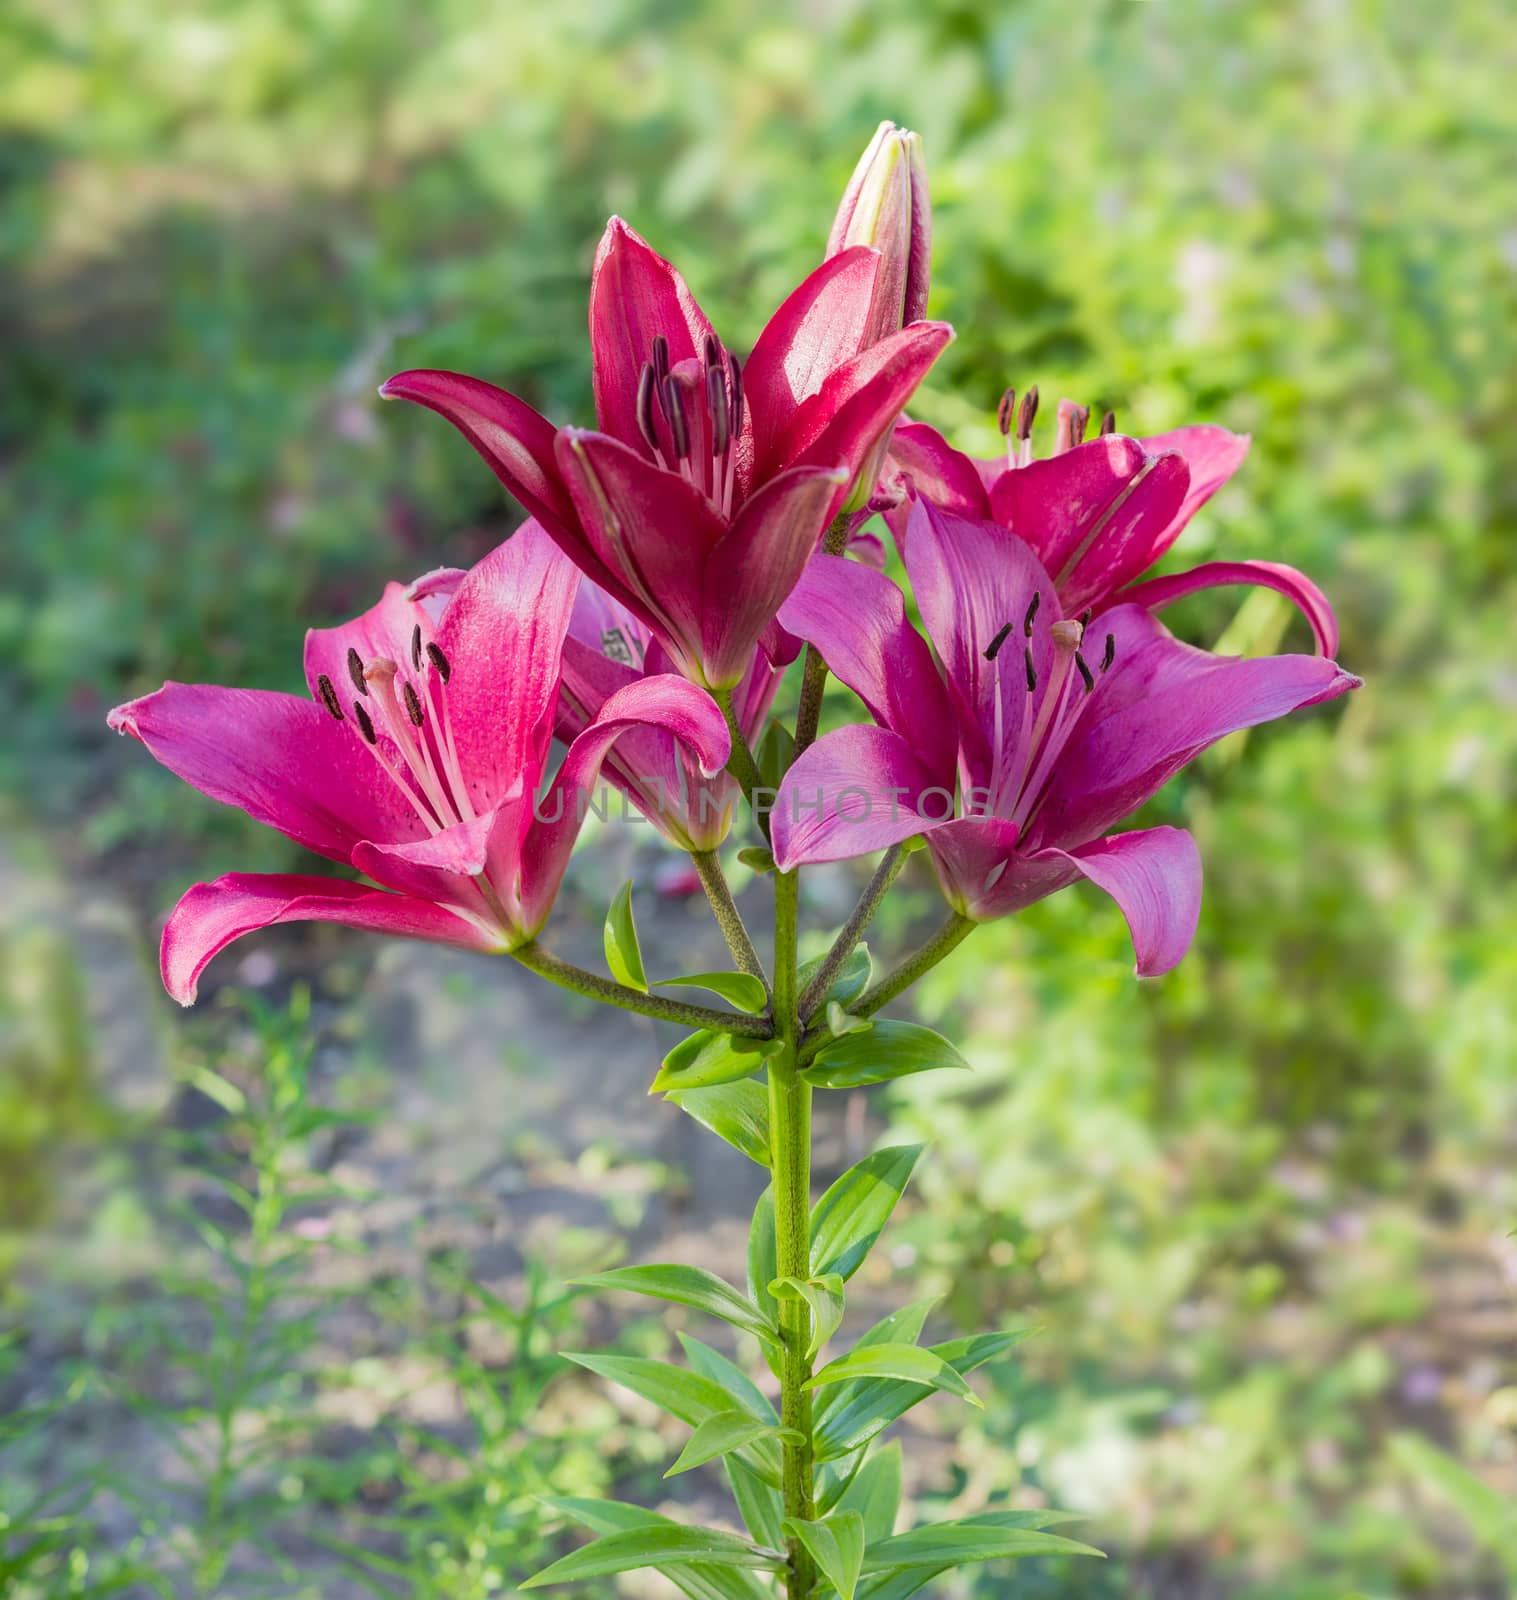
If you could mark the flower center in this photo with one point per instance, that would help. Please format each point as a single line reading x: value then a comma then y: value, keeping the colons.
x: 691, y: 416
x: 403, y: 723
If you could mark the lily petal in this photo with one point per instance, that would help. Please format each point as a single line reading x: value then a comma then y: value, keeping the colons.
x: 280, y: 758
x: 1157, y: 593
x: 441, y: 869
x: 925, y: 465
x: 211, y: 915
x: 853, y: 792
x: 971, y: 856
x: 1213, y: 455
x: 820, y: 325
x: 515, y: 440
x: 856, y: 617
x: 754, y: 566
x: 635, y: 296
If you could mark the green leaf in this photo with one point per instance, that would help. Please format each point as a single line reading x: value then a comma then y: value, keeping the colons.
x: 690, y: 1396
x: 836, y: 1544
x: 908, y: 1362
x: 775, y: 752
x: 850, y: 1415
x: 739, y: 1112
x: 740, y: 989
x: 722, y: 1434
x: 707, y: 1057
x: 1489, y: 1514
x: 713, y: 1364
x: 853, y: 1212
x: 687, y: 1286
x: 623, y: 954
x: 840, y: 1024
x: 850, y: 982
x: 659, y: 1546
x: 756, y: 858
x: 698, y: 1580
x: 875, y: 1492
x: 763, y: 1255
x: 761, y: 1504
x: 888, y: 1050
x: 825, y: 1297
x: 952, y: 1544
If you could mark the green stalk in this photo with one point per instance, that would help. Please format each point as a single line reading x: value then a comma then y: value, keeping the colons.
x: 567, y: 976
x: 790, y: 1135
x: 729, y: 919
x: 853, y: 930
x: 740, y: 762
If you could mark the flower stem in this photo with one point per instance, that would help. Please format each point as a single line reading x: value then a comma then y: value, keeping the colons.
x: 729, y: 919
x: 567, y: 976
x: 740, y: 762
x: 943, y: 943
x: 853, y: 930
x: 790, y: 1137
x: 814, y: 675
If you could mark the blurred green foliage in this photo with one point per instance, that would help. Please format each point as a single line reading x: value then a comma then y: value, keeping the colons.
x: 1253, y: 1204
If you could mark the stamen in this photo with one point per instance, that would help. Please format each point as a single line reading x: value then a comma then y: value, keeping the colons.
x: 716, y: 405
x: 1108, y: 423
x: 1111, y: 652
x: 1025, y: 415
x: 355, y: 671
x: 614, y: 646
x: 645, y: 426
x: 660, y: 358
x: 735, y: 368
x: 1085, y: 676
x: 1071, y: 426
x: 1032, y: 671
x: 713, y: 351
x: 993, y: 649
x: 679, y: 424
x: 329, y: 697
x: 416, y: 648
x: 1032, y: 611
x: 1085, y: 618
x: 440, y: 661
x: 1006, y: 411
x: 413, y: 704
x: 365, y: 727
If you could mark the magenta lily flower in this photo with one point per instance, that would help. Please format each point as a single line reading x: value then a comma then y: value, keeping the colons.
x: 607, y: 651
x: 708, y: 485
x: 1024, y: 739
x: 1099, y: 513
x: 418, y: 761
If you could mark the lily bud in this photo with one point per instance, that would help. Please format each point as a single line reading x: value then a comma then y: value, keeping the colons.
x: 886, y: 207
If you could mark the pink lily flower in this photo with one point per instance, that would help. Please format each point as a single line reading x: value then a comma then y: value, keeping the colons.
x: 418, y: 761
x: 607, y: 651
x: 1024, y: 739
x: 1096, y: 513
x: 708, y: 485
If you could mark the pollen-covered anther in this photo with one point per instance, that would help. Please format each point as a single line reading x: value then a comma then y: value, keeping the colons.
x: 1067, y: 634
x: 1032, y: 671
x: 1108, y: 424
x: 1110, y: 653
x: 329, y: 697
x: 993, y: 649
x: 356, y: 671
x: 413, y: 704
x: 645, y: 386
x: 674, y: 412
x: 1006, y: 412
x: 1085, y: 673
x: 1025, y: 415
x: 660, y: 358
x: 1070, y: 429
x: 440, y: 661
x: 1032, y: 612
x: 365, y: 726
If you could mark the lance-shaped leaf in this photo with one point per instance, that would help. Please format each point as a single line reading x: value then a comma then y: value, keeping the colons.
x: 875, y: 1492
x: 840, y: 1022
x: 825, y: 1297
x: 738, y: 1112
x: 763, y: 1254
x: 853, y: 1212
x: 740, y: 989
x: 956, y: 1544
x: 908, y: 1362
x: 836, y: 1544
x: 690, y: 1396
x: 889, y: 1049
x: 662, y: 1547
x: 761, y: 1503
x: 722, y: 1434
x: 907, y: 1581
x: 707, y: 1058
x: 687, y: 1286
x: 698, y: 1580
x: 714, y: 1365
x: 624, y: 955
x: 850, y: 982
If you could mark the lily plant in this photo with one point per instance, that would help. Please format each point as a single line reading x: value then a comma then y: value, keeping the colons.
x: 684, y: 562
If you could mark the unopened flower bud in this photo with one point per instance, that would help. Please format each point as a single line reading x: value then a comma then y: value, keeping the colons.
x: 886, y: 207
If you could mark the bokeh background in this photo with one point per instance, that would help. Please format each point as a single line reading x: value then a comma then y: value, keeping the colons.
x: 281, y: 1277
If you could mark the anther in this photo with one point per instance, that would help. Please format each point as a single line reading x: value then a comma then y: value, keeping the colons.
x: 713, y: 351
x: 1070, y: 429
x: 1029, y: 410
x: 993, y: 649
x: 1108, y: 423
x: 416, y: 648
x: 1032, y: 671
x: 355, y: 671
x: 1085, y: 618
x: 1032, y: 611
x: 413, y: 705
x: 1110, y: 653
x: 365, y: 727
x: 329, y: 697
x: 1085, y: 676
x: 1006, y: 412
x: 1078, y: 420
x: 440, y: 661
x: 660, y: 358
x: 716, y: 407
x: 645, y: 383
x: 674, y: 410
x: 735, y: 368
